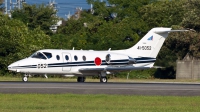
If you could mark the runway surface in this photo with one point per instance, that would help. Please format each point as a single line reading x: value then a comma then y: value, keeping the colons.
x: 164, y: 89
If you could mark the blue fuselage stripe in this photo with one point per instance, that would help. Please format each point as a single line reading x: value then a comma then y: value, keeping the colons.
x: 90, y: 63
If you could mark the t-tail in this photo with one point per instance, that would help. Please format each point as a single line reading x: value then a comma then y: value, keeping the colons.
x: 151, y: 43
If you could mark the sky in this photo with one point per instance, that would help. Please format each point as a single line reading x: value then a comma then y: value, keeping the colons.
x: 64, y: 7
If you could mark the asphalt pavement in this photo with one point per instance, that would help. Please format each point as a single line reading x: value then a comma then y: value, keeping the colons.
x: 160, y: 89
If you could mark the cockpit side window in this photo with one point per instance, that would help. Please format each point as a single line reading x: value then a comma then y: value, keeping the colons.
x: 38, y: 55
x: 48, y: 55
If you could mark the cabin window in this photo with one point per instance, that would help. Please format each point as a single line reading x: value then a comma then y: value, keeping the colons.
x: 38, y: 55
x: 57, y: 57
x: 75, y: 58
x: 48, y: 55
x: 84, y: 58
x: 67, y: 57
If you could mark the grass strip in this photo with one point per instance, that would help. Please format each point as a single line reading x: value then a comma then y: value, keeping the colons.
x: 96, y: 103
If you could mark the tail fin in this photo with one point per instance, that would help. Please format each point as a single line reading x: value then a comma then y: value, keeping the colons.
x: 151, y: 43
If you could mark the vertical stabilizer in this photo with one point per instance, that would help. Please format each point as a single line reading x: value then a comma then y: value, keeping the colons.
x: 151, y: 43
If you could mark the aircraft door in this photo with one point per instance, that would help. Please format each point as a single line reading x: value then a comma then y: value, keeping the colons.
x: 66, y: 59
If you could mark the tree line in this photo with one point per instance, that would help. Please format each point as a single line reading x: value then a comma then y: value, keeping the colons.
x: 115, y: 24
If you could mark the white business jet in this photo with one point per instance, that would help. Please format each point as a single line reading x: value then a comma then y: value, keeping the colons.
x: 83, y: 63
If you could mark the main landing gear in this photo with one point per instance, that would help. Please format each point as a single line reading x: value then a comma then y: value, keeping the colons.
x: 103, y: 79
x: 81, y: 79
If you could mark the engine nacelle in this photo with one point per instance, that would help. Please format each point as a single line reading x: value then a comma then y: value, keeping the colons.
x: 132, y: 61
x: 117, y: 58
x: 108, y: 58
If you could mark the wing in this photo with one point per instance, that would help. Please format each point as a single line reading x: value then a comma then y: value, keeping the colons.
x: 112, y: 69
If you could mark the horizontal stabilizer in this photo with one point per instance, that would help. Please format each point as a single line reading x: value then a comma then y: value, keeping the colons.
x: 159, y: 32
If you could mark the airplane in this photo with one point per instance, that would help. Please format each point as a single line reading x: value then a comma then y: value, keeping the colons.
x: 82, y: 63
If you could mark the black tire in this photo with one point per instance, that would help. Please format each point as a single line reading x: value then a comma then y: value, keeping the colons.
x: 25, y: 79
x: 81, y: 79
x: 103, y: 79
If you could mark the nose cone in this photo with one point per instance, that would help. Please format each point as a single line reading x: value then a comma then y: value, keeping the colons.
x: 15, y: 66
x: 12, y: 67
x: 20, y: 65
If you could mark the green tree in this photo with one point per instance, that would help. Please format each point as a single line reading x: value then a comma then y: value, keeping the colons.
x: 163, y: 13
x: 35, y: 16
x: 108, y: 26
x: 60, y: 41
x: 191, y: 18
x: 1, y: 6
x: 17, y: 41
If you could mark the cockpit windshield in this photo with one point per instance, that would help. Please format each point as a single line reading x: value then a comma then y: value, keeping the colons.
x: 48, y: 55
x: 43, y: 55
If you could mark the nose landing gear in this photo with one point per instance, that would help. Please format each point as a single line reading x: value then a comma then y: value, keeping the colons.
x: 25, y: 78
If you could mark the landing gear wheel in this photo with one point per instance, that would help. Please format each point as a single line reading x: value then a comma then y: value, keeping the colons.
x: 81, y: 79
x: 25, y: 79
x: 103, y: 79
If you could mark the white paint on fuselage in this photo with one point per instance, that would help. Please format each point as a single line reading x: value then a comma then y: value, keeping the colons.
x: 72, y: 70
